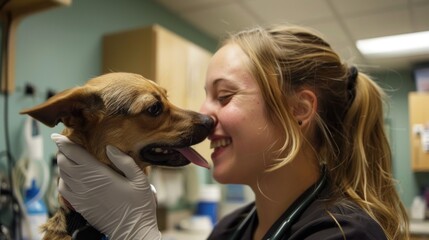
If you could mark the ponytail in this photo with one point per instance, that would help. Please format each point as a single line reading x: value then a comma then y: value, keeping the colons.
x: 366, y: 176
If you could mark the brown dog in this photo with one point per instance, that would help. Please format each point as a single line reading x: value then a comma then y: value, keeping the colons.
x: 127, y: 111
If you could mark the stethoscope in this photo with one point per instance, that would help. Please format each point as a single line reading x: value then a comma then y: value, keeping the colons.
x: 289, y: 217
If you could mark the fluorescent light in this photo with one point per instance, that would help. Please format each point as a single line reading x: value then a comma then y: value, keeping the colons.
x: 397, y: 45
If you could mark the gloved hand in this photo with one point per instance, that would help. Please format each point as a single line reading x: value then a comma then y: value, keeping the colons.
x: 120, y: 207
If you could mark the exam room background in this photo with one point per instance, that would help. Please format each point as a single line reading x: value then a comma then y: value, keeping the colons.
x: 61, y: 48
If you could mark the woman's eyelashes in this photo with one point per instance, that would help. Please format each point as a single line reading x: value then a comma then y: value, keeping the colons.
x: 224, y: 98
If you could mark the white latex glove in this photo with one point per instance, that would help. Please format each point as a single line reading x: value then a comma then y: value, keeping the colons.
x: 120, y: 207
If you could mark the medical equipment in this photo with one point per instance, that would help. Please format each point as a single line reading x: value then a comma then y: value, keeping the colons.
x: 36, y: 213
x: 30, y: 168
x: 289, y: 217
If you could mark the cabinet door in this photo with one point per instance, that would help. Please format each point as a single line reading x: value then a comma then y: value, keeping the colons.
x: 419, y: 120
x: 130, y: 51
x: 171, y: 65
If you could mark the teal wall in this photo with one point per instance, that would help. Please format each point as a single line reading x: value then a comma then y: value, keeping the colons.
x: 61, y: 48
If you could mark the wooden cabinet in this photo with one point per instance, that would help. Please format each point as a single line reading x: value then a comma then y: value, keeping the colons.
x: 160, y: 55
x: 419, y: 130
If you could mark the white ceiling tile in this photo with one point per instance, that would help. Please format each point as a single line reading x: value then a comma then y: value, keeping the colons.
x: 352, y: 7
x: 420, y: 17
x: 380, y: 24
x: 184, y: 5
x: 291, y: 11
x: 419, y: 1
x: 341, y: 22
x: 219, y: 20
x: 330, y: 30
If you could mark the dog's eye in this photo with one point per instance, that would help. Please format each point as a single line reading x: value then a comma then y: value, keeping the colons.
x: 155, y: 109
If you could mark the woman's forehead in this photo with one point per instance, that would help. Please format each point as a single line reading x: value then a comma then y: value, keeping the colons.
x: 229, y: 63
x: 230, y: 55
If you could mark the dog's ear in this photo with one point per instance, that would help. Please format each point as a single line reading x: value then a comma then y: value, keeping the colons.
x: 74, y: 107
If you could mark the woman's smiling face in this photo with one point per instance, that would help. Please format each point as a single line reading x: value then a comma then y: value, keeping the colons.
x: 243, y: 138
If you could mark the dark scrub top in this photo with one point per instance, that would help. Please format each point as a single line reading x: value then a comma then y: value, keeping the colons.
x: 313, y: 224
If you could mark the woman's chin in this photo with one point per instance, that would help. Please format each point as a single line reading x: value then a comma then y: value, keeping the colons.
x: 226, y: 176
x: 219, y: 177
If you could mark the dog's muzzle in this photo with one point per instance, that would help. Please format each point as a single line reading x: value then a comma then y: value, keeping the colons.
x: 180, y: 153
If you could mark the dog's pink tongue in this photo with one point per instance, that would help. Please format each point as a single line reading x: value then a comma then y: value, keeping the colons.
x: 194, y: 156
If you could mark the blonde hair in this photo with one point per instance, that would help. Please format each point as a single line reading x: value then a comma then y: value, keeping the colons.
x: 349, y: 124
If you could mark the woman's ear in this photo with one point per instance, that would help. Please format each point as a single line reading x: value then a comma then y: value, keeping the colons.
x: 305, y: 106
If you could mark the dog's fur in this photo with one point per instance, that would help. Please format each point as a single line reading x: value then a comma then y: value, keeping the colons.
x: 124, y: 110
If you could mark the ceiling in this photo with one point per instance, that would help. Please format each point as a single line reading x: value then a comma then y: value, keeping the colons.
x: 342, y: 22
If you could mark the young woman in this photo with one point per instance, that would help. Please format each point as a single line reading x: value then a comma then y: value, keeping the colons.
x: 300, y: 127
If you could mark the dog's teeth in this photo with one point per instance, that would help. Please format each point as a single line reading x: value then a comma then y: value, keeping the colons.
x: 161, y: 150
x: 158, y: 150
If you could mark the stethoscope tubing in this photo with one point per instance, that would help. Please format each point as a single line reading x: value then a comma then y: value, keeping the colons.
x: 296, y: 212
x: 290, y: 217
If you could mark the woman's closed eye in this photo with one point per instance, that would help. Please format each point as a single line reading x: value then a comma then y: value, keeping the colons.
x: 224, y: 98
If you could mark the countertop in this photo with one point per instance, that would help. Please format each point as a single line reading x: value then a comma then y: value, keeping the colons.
x: 418, y: 227
x: 184, y: 235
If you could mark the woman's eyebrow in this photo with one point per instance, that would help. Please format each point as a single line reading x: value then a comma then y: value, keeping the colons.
x: 215, y: 83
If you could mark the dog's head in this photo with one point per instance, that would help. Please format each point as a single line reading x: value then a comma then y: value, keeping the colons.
x: 130, y: 112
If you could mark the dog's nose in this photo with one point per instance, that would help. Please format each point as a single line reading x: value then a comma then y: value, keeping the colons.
x: 203, y: 126
x: 209, y: 122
